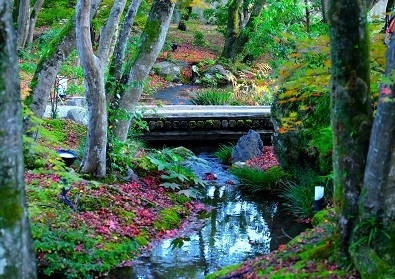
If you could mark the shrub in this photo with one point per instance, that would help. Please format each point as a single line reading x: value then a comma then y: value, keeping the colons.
x: 212, y: 97
x: 224, y: 153
x: 198, y: 39
x: 255, y: 180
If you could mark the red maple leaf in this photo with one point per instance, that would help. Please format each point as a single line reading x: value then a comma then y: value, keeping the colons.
x: 386, y: 91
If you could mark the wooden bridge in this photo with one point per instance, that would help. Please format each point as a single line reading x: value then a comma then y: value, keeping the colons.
x: 205, y: 123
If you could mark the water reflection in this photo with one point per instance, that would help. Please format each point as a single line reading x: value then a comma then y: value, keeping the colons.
x: 238, y: 228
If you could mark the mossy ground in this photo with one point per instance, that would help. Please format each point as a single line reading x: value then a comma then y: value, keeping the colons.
x: 308, y: 255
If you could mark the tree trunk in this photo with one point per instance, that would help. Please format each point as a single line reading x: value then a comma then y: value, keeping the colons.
x: 94, y: 159
x: 324, y: 10
x: 242, y: 38
x: 48, y: 68
x: 115, y: 68
x: 232, y: 28
x: 23, y: 23
x: 17, y: 259
x: 370, y: 4
x: 33, y: 18
x: 152, y: 40
x: 184, y: 19
x: 377, y: 210
x: 351, y: 110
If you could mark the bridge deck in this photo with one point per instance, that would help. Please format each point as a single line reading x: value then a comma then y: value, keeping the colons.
x: 190, y: 122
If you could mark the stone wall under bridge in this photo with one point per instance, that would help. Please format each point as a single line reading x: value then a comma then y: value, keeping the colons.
x: 205, y: 123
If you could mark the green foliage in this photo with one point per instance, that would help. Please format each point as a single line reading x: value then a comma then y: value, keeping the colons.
x: 209, y: 16
x: 122, y: 154
x: 224, y: 153
x: 322, y: 140
x: 369, y: 230
x: 280, y: 25
x: 178, y: 175
x: 212, y: 97
x: 47, y: 16
x: 255, y: 180
x: 198, y: 39
x: 75, y: 254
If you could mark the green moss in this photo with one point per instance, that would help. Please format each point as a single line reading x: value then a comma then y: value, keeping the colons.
x: 320, y: 217
x: 141, y: 240
x: 10, y: 209
x: 180, y: 199
x: 192, y: 124
x: 169, y: 219
x: 150, y: 34
x: 200, y: 124
x: 221, y: 273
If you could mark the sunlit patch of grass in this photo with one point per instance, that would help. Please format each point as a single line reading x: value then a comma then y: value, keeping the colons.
x: 212, y: 97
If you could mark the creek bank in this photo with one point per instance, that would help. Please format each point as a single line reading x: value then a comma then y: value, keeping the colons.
x: 238, y: 227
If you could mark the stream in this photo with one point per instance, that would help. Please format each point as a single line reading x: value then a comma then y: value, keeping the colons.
x: 239, y: 228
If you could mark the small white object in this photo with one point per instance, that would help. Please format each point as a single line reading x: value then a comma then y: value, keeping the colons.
x: 318, y: 192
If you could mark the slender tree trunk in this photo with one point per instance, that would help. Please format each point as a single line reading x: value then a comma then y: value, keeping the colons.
x: 115, y: 69
x: 47, y: 70
x: 238, y: 45
x: 152, y: 40
x: 232, y: 28
x: 17, y: 259
x: 307, y: 15
x: 33, y: 18
x: 94, y: 159
x: 351, y: 110
x: 184, y: 19
x: 23, y: 23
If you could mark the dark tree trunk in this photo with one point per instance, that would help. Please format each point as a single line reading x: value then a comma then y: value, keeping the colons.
x: 17, y: 259
x: 307, y: 14
x: 377, y: 209
x: 232, y: 28
x: 23, y: 23
x: 33, y: 18
x: 152, y: 40
x: 351, y: 110
x: 324, y: 10
x: 242, y: 38
x: 184, y: 18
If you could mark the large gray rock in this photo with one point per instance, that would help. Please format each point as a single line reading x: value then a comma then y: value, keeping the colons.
x: 75, y: 113
x: 218, y: 74
x: 78, y: 115
x: 247, y: 147
x: 168, y: 70
x: 77, y: 101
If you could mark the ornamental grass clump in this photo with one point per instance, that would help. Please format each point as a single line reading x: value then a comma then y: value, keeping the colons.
x: 213, y: 97
x: 298, y: 199
x: 255, y: 180
x: 224, y: 153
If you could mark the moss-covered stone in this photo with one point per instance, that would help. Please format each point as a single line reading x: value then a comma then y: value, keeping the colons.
x: 200, y: 124
x: 192, y: 124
